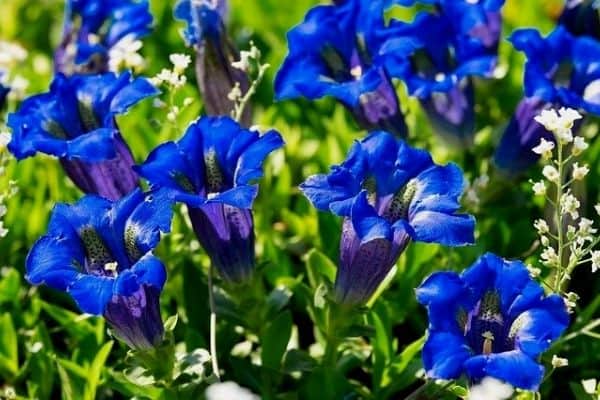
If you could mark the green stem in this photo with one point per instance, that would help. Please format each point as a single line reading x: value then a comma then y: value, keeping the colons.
x: 415, y: 394
x: 241, y: 105
x: 213, y: 325
x: 558, y: 215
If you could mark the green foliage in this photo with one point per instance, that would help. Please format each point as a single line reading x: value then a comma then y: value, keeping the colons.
x: 283, y: 320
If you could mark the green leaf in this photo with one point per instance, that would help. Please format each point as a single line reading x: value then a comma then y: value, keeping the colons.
x: 171, y: 323
x: 275, y: 340
x: 9, y: 356
x: 382, y: 349
x: 9, y: 286
x: 65, y: 383
x: 95, y: 371
x: 298, y: 361
x: 319, y: 267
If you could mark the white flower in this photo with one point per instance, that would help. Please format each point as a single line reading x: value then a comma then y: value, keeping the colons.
x: 558, y: 362
x: 548, y: 118
x: 3, y: 231
x: 235, y: 93
x: 549, y: 257
x: 541, y: 226
x: 551, y: 173
x: 580, y: 172
x: 569, y: 205
x: 544, y: 148
x: 539, y: 188
x: 228, y: 391
x: 18, y: 87
x: 585, y: 228
x: 490, y: 389
x: 4, y: 139
x: 533, y: 271
x: 568, y: 116
x: 11, y: 54
x: 180, y: 62
x: 564, y: 135
x: 595, y: 260
x: 579, y: 145
x: 589, y: 385
x: 169, y: 77
x: 124, y: 54
x: 244, y: 62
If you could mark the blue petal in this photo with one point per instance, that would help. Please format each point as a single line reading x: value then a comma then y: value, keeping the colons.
x: 438, y: 189
x: 446, y: 229
x: 513, y: 367
x: 323, y: 190
x: 367, y: 223
x: 149, y: 270
x: 249, y: 165
x: 167, y: 166
x: 131, y: 94
x: 240, y: 197
x: 443, y: 293
x: 95, y: 146
x: 53, y: 261
x: 150, y: 217
x: 92, y: 293
x: 539, y: 327
x: 444, y: 355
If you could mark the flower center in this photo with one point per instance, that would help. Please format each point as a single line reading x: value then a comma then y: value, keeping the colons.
x: 86, y: 113
x: 214, y: 176
x: 98, y: 256
x: 400, y: 202
x: 485, y: 327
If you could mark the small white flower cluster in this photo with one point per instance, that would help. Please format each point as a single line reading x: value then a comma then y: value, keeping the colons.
x: 174, y: 79
x: 490, y: 389
x: 227, y: 391
x: 559, y: 362
x: 249, y: 63
x: 569, y: 239
x: 12, y: 56
x: 125, y: 55
x: 12, y: 188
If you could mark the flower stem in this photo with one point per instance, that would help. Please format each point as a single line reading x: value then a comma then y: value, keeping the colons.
x: 559, y: 222
x: 213, y: 326
x: 241, y: 105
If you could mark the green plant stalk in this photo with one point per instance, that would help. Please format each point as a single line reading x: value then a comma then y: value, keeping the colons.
x: 213, y: 326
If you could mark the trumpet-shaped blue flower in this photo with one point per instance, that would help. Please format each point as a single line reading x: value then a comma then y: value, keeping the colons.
x: 561, y: 71
x: 100, y: 252
x: 93, y: 27
x: 205, y: 30
x: 335, y: 52
x: 212, y: 169
x: 444, y: 55
x: 581, y: 17
x: 75, y: 121
x: 492, y: 320
x: 389, y: 194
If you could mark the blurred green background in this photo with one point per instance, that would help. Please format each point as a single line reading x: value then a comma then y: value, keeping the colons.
x: 47, y: 350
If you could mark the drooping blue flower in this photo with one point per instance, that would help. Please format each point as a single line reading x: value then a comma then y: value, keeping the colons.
x: 93, y: 27
x: 205, y: 31
x: 212, y: 169
x: 388, y: 194
x: 492, y: 320
x: 561, y: 71
x: 100, y: 252
x: 335, y: 52
x: 75, y: 121
x: 581, y: 17
x: 444, y: 55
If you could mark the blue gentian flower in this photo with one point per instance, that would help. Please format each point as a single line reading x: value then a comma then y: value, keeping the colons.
x: 581, y: 17
x: 388, y: 194
x: 212, y: 169
x: 479, y: 20
x: 100, y: 252
x: 335, y: 52
x: 93, y: 27
x: 492, y: 320
x: 205, y: 31
x: 75, y: 121
x: 561, y: 71
x: 444, y: 58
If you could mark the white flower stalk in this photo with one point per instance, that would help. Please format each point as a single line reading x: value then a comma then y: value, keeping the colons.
x: 567, y: 241
x: 249, y: 62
